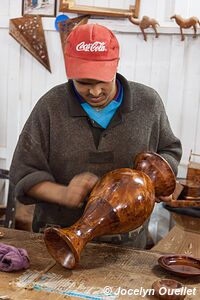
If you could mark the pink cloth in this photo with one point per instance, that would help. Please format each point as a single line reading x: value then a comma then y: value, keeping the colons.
x: 13, y: 259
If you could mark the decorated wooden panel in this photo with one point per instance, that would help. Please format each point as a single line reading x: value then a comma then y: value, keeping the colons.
x: 28, y: 31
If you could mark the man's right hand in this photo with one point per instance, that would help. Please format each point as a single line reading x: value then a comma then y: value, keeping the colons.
x: 79, y: 187
x: 72, y: 195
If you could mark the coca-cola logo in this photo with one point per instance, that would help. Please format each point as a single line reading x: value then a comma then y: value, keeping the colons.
x: 91, y: 47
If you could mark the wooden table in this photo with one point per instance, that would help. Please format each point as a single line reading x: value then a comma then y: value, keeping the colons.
x: 183, y: 238
x: 101, y: 265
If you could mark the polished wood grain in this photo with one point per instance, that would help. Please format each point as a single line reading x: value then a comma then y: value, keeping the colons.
x: 158, y: 169
x: 122, y: 200
x: 181, y: 265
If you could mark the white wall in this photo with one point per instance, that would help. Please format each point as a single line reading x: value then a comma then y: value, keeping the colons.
x: 170, y: 66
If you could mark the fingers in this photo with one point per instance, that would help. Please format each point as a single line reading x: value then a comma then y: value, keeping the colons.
x: 89, y: 180
x: 84, y: 180
x: 157, y: 200
x: 165, y: 199
x: 79, y: 187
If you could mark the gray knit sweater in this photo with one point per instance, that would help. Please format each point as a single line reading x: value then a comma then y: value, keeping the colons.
x: 57, y: 143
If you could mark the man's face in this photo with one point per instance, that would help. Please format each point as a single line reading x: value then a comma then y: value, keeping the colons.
x: 94, y: 92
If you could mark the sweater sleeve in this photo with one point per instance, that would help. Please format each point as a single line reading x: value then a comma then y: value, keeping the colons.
x: 30, y: 160
x: 169, y: 146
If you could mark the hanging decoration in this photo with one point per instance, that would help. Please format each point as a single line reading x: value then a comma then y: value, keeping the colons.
x: 66, y: 26
x: 145, y: 23
x: 28, y: 31
x: 45, y: 8
x: 186, y: 23
x: 59, y: 19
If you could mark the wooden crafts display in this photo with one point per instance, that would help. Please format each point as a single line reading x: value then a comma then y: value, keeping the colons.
x: 145, y: 23
x: 70, y: 6
x: 186, y: 23
x: 122, y: 200
x: 191, y: 185
x: 28, y: 31
x: 193, y: 171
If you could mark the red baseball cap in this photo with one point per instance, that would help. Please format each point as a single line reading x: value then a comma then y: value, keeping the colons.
x: 91, y: 51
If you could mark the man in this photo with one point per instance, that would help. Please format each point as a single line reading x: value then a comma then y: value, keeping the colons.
x: 79, y: 130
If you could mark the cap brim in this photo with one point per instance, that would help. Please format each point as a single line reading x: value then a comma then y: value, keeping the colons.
x: 99, y: 70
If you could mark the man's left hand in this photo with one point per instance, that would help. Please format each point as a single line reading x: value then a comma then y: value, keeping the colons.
x: 164, y: 199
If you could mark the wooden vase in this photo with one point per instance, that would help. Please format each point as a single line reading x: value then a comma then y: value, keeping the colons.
x: 121, y: 201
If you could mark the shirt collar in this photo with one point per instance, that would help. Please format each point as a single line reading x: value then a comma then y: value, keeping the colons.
x: 81, y: 100
x: 76, y: 110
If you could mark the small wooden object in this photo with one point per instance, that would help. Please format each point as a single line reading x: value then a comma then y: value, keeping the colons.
x: 28, y: 31
x: 145, y: 23
x: 180, y: 265
x: 70, y: 6
x: 186, y: 23
x: 170, y: 286
x: 193, y: 171
x: 191, y: 190
x: 191, y: 185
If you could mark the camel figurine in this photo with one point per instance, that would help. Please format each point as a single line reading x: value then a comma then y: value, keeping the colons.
x: 145, y: 23
x: 186, y: 23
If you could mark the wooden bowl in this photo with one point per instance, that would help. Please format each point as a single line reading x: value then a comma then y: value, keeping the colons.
x: 181, y: 265
x: 168, y: 289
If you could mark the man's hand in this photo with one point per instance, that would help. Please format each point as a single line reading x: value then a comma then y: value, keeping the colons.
x: 79, y: 187
x: 72, y: 195
x: 164, y: 199
x: 173, y: 196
